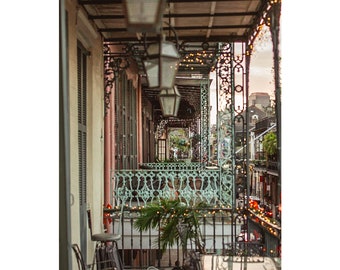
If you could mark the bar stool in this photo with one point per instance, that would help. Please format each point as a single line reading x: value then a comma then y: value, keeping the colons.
x: 101, y: 240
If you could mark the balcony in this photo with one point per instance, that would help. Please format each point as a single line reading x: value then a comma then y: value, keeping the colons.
x: 264, y: 124
x: 143, y: 249
x: 191, y: 183
x: 112, y: 124
x: 220, y: 232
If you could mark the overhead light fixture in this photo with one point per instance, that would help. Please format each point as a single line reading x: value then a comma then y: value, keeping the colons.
x: 169, y: 100
x: 161, y: 64
x: 144, y: 15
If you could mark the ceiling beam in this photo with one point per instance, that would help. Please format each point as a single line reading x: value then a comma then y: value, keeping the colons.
x: 106, y: 2
x: 183, y: 15
x: 224, y: 38
x: 183, y: 28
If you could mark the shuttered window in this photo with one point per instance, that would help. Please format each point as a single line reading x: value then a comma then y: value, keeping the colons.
x: 82, y: 141
x: 82, y: 115
x: 125, y: 124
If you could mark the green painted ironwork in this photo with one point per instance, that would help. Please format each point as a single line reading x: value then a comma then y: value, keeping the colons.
x: 138, y: 187
x: 172, y: 165
x: 205, y: 121
x: 195, y: 140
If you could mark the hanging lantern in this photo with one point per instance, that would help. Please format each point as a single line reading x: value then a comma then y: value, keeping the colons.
x: 144, y: 15
x: 169, y: 100
x: 161, y: 65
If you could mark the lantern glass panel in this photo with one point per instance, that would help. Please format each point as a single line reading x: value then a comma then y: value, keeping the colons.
x: 169, y: 100
x: 151, y: 69
x: 168, y: 72
x: 167, y: 58
x: 168, y: 105
x: 144, y: 15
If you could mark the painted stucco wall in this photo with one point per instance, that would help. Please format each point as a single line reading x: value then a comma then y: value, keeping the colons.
x: 80, y: 29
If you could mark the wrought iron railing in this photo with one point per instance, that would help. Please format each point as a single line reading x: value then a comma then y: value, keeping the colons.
x: 271, y: 225
x: 265, y: 123
x: 138, y: 187
x: 141, y: 249
x: 272, y: 165
x: 191, y: 183
x: 220, y: 234
x: 172, y: 165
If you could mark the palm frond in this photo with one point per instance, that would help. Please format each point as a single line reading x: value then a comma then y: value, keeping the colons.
x: 168, y: 215
x: 149, y: 218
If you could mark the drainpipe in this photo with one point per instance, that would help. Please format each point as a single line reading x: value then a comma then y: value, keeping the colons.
x: 139, y: 122
x: 109, y: 82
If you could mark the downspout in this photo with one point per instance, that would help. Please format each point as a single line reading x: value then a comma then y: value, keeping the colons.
x: 109, y: 81
x: 107, y: 161
x: 112, y: 152
x: 139, y: 122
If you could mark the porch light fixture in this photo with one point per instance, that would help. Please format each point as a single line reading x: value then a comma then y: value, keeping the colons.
x: 161, y: 64
x: 144, y: 15
x: 169, y: 100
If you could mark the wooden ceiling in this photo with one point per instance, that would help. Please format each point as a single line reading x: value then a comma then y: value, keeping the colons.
x: 200, y: 27
x: 193, y: 20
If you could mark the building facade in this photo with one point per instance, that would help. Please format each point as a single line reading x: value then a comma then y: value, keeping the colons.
x: 111, y: 121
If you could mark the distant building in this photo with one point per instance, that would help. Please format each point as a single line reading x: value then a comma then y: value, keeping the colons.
x: 259, y: 108
x: 264, y: 180
x: 259, y: 99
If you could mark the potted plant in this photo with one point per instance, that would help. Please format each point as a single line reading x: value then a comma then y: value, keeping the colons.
x: 175, y: 220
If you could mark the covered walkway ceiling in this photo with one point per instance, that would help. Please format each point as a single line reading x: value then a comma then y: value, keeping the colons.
x: 194, y: 20
x: 200, y: 26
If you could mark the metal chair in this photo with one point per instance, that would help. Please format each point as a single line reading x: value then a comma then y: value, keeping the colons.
x: 80, y: 260
x: 101, y: 237
x: 105, y: 256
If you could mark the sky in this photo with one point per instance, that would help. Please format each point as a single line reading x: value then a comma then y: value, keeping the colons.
x: 261, y: 76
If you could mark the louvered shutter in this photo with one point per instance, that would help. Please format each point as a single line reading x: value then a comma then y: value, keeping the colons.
x: 82, y: 142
